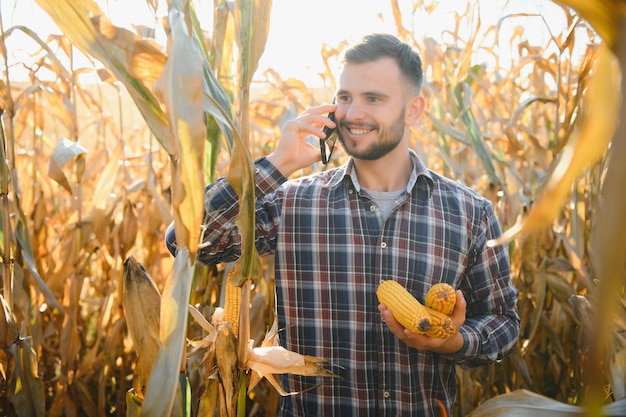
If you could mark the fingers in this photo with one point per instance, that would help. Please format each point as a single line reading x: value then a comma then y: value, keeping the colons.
x: 293, y: 151
x: 458, y: 314
x: 395, y: 327
x: 423, y: 342
x: 312, y: 121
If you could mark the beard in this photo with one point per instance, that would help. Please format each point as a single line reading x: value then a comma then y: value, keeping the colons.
x: 388, y: 139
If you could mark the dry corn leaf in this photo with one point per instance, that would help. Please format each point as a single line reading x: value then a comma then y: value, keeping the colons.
x: 107, y: 180
x: 9, y: 333
x: 606, y: 16
x: 524, y: 403
x: 617, y: 369
x: 26, y: 390
x: 24, y: 239
x: 538, y: 310
x: 74, y: 18
x: 180, y: 88
x: 163, y: 389
x: 591, y: 142
x: 143, y: 58
x: 70, y: 341
x: 65, y: 151
x: 278, y: 360
x: 271, y: 359
x: 128, y: 229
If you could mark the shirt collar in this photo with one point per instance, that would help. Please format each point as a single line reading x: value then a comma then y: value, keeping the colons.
x: 347, y: 171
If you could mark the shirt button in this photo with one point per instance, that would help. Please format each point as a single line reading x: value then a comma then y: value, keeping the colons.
x: 350, y: 191
x: 383, y: 245
x: 372, y: 207
x: 386, y: 394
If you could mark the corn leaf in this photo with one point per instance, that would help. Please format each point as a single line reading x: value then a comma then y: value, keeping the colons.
x: 608, y: 240
x: 9, y: 333
x: 606, y: 16
x: 252, y: 20
x: 24, y: 240
x: 180, y: 88
x: 163, y: 387
x: 65, y: 151
x: 89, y: 30
x: 252, y: 35
x: 590, y: 144
x: 26, y: 388
x: 462, y: 95
x: 524, y: 403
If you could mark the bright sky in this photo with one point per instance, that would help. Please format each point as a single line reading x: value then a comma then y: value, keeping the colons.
x: 298, y: 28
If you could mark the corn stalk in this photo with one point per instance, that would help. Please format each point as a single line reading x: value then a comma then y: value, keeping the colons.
x: 516, y: 124
x: 601, y: 133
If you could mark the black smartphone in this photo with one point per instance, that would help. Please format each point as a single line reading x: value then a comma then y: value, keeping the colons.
x: 327, y: 144
x: 329, y: 130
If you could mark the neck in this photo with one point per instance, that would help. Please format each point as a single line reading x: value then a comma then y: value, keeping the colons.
x: 385, y: 174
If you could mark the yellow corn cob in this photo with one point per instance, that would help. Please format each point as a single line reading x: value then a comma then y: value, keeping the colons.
x: 232, y: 303
x: 441, y: 325
x: 441, y: 297
x: 405, y: 308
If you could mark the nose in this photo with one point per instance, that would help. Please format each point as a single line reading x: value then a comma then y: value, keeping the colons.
x: 354, y: 111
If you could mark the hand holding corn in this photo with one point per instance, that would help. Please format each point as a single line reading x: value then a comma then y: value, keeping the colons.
x: 431, y: 319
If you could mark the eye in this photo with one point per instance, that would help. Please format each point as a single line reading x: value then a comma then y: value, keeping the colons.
x: 343, y: 99
x: 372, y: 99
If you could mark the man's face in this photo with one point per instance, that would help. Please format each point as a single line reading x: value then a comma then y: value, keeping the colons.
x: 371, y: 108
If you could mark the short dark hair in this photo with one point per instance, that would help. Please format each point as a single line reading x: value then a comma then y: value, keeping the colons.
x: 381, y: 45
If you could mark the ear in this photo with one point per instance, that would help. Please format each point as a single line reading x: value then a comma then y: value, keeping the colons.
x: 414, y: 109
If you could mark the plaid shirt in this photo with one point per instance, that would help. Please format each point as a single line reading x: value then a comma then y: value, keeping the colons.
x: 332, y: 250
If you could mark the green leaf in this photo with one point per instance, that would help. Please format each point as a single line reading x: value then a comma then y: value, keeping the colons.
x: 252, y: 19
x: 462, y: 94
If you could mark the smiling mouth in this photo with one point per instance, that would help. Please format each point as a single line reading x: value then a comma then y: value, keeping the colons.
x: 357, y: 131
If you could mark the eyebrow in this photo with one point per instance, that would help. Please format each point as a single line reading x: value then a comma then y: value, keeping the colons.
x: 365, y: 93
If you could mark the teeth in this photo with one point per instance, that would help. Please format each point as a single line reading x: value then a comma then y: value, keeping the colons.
x: 359, y: 131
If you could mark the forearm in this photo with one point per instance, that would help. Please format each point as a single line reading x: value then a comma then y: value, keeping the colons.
x: 219, y: 236
x: 487, y: 339
x: 221, y: 241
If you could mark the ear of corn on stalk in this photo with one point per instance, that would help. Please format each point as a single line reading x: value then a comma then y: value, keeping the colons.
x: 415, y: 316
x: 141, y: 301
x: 232, y: 304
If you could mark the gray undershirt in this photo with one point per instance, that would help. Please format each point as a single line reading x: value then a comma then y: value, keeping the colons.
x: 385, y: 200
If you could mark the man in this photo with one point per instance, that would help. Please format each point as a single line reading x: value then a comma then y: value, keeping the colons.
x: 383, y: 215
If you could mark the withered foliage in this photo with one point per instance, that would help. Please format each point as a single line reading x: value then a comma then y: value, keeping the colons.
x: 86, y: 188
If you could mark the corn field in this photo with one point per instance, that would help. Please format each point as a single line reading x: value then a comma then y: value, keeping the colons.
x: 98, y: 318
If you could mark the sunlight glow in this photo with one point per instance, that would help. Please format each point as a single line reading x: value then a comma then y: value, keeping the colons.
x: 299, y: 29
